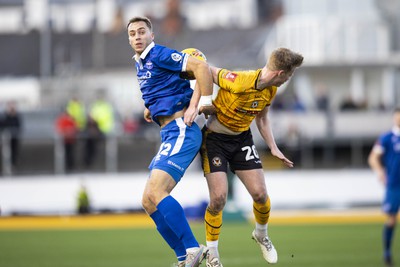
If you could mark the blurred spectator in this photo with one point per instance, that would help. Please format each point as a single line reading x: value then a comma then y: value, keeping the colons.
x: 67, y: 128
x: 269, y: 11
x: 278, y: 104
x: 118, y: 23
x: 92, y: 135
x: 83, y: 201
x: 130, y: 124
x: 172, y: 25
x: 292, y: 143
x: 381, y: 106
x: 173, y: 21
x: 322, y: 100
x: 348, y: 104
x: 11, y: 122
x: 103, y: 113
x: 297, y: 105
x: 76, y: 109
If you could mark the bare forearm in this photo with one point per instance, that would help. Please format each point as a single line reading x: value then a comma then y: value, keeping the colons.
x: 263, y: 125
x: 204, y: 80
x: 375, y: 163
x: 194, y: 101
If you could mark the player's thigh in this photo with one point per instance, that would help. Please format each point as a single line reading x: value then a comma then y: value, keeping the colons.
x: 254, y: 182
x: 214, y: 150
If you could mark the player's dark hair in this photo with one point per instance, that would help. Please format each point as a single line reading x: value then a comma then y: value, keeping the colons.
x: 144, y: 19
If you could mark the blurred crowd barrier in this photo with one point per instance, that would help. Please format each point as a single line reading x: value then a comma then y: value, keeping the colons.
x: 313, y: 140
x: 47, y: 155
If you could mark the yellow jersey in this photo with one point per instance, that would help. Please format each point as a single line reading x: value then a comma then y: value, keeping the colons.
x: 238, y: 101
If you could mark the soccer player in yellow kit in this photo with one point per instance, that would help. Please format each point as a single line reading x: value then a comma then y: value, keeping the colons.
x: 227, y: 141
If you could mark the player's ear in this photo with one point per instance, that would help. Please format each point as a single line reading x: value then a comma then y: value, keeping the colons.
x: 280, y: 72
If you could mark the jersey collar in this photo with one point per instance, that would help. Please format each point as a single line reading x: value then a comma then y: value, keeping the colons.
x: 396, y: 130
x: 144, y: 53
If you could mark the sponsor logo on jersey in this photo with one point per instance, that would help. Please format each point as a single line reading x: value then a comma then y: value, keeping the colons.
x: 254, y: 104
x: 216, y: 161
x: 143, y: 78
x: 251, y: 112
x: 176, y: 57
x: 149, y: 65
x: 230, y: 76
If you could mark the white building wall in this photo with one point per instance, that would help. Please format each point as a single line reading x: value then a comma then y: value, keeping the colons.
x: 330, y: 189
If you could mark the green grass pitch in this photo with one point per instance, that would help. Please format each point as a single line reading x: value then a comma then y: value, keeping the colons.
x: 312, y: 245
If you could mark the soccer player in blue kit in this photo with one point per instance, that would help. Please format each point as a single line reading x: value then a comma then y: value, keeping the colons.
x: 173, y: 105
x: 384, y: 160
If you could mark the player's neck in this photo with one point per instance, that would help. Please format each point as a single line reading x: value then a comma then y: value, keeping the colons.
x: 265, y: 79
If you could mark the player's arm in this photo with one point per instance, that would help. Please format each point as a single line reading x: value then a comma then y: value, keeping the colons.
x: 374, y: 161
x: 215, y: 71
x: 204, y: 79
x: 192, y: 111
x: 147, y: 115
x: 264, y: 127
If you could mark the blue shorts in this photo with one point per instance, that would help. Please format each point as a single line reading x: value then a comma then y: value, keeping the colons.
x: 179, y: 146
x: 391, y: 202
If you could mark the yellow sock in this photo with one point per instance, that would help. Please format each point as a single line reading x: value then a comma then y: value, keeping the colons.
x: 261, y: 211
x: 213, y: 224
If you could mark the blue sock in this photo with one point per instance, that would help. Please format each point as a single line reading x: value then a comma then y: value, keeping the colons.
x: 175, y: 218
x: 387, y: 239
x: 168, y: 235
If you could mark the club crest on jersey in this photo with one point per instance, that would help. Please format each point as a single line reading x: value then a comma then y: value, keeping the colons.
x: 176, y: 57
x: 230, y: 76
x: 216, y: 161
x: 149, y: 65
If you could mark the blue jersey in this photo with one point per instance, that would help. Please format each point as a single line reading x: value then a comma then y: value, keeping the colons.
x: 390, y: 144
x: 163, y: 91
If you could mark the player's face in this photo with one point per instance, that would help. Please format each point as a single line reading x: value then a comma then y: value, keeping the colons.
x: 140, y: 36
x: 396, y: 119
x: 282, y: 77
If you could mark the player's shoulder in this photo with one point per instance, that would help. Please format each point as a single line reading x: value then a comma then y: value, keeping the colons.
x: 232, y: 75
x: 386, y: 136
x: 159, y: 49
x: 160, y: 52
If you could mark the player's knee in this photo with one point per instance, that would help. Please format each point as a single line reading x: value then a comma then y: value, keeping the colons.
x: 146, y: 203
x: 260, y: 197
x: 391, y: 221
x: 217, y: 204
x: 149, y: 201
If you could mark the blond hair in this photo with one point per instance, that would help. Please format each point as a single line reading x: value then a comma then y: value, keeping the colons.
x: 284, y: 59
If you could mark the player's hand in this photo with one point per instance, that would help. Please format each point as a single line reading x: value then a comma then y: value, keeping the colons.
x: 147, y: 115
x: 207, y: 110
x: 277, y: 153
x: 190, y: 115
x: 382, y: 177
